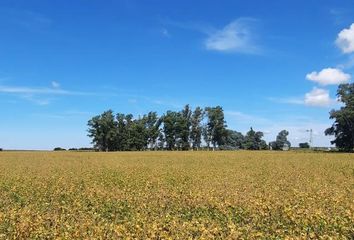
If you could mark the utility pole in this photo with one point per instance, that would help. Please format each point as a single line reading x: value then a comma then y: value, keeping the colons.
x: 311, y: 137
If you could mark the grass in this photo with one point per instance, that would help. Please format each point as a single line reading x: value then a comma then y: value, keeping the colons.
x: 176, y: 195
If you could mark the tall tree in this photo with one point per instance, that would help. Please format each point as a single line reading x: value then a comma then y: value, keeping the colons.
x: 152, y: 125
x: 123, y: 125
x: 196, y: 128
x: 102, y: 130
x: 254, y: 141
x: 281, y: 141
x: 216, y: 125
x: 183, y: 126
x: 170, y: 129
x: 137, y: 135
x: 343, y: 126
x: 233, y: 140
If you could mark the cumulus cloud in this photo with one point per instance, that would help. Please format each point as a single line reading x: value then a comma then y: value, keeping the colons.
x: 329, y: 76
x: 234, y: 37
x: 318, y: 97
x: 345, y: 40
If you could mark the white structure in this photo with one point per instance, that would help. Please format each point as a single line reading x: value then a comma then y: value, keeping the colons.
x: 286, y: 147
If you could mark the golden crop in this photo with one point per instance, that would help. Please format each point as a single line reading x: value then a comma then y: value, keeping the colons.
x: 176, y: 195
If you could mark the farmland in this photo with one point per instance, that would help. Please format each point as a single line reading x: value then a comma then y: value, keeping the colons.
x: 176, y: 195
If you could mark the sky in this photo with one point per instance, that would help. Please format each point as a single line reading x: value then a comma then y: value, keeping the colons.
x: 271, y: 65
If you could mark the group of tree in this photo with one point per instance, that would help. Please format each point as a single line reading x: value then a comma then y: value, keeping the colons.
x: 174, y: 130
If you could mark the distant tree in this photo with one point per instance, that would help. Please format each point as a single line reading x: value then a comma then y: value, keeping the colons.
x: 233, y: 140
x: 196, y: 128
x: 152, y: 125
x: 0, y: 149
x: 170, y: 120
x: 86, y: 149
x: 137, y: 135
x: 206, y: 135
x: 216, y: 125
x: 253, y: 141
x: 102, y: 130
x: 122, y: 140
x: 161, y: 141
x: 304, y: 145
x: 343, y: 126
x: 183, y: 128
x: 59, y: 149
x: 72, y: 149
x: 281, y: 141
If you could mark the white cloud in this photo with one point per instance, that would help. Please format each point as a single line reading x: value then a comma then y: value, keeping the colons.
x: 318, y: 97
x: 38, y: 91
x: 40, y: 95
x: 234, y: 37
x: 55, y: 84
x: 328, y: 76
x: 345, y: 39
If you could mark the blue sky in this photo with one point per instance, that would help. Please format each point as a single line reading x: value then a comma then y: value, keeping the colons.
x: 272, y: 65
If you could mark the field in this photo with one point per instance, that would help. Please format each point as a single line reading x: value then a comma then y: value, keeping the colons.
x: 176, y: 195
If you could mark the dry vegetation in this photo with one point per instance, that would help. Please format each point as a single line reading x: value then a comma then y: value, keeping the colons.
x: 176, y: 195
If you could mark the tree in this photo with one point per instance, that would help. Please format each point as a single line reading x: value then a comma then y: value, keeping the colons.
x: 304, y: 145
x: 183, y: 126
x: 253, y: 141
x: 281, y: 141
x: 137, y: 135
x: 102, y: 130
x: 170, y: 129
x: 152, y: 125
x: 216, y: 125
x: 343, y: 126
x: 161, y: 141
x: 196, y: 128
x: 59, y: 149
x: 122, y: 131
x: 233, y: 140
x: 206, y: 135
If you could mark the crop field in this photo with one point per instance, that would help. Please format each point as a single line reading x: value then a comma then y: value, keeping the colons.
x: 176, y: 195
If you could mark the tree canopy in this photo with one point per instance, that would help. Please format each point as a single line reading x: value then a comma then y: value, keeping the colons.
x: 281, y: 141
x: 343, y: 126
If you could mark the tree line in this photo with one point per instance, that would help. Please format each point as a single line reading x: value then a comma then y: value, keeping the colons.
x: 188, y: 129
